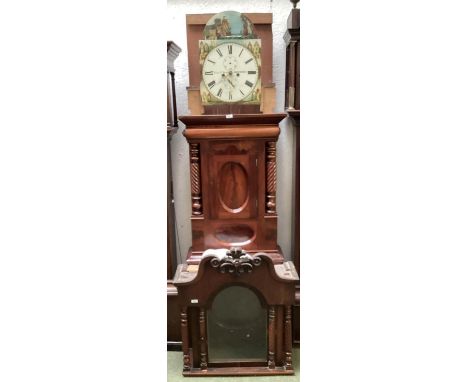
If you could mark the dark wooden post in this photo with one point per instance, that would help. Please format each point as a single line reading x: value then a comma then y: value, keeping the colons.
x: 288, y: 338
x: 185, y: 337
x: 172, y: 52
x: 271, y: 177
x: 195, y: 178
x: 203, y: 346
x: 271, y: 337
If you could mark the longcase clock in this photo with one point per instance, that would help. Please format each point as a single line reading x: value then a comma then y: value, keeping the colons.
x: 236, y: 291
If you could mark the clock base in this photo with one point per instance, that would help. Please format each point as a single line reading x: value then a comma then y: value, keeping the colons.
x: 238, y: 370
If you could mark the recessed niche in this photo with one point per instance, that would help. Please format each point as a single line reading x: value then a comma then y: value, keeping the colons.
x: 235, y: 234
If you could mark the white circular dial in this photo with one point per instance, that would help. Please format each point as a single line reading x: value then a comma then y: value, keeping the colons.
x: 230, y: 72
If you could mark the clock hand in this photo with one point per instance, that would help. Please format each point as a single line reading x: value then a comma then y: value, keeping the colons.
x: 231, y: 83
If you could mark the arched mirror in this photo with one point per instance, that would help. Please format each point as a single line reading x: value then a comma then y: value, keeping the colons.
x: 237, y: 327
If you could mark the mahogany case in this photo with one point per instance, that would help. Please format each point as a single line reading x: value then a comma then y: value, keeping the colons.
x: 233, y: 182
x: 274, y: 284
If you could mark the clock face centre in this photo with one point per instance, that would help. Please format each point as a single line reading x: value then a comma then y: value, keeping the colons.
x: 230, y: 72
x: 230, y: 63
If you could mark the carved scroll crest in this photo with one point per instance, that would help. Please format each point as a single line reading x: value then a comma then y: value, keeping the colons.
x: 236, y: 261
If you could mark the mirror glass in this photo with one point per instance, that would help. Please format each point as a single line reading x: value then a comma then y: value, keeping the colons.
x: 237, y: 327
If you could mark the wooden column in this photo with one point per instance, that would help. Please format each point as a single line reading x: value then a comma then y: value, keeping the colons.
x: 288, y: 338
x: 203, y: 345
x: 185, y: 337
x: 271, y: 336
x: 271, y: 177
x: 195, y: 178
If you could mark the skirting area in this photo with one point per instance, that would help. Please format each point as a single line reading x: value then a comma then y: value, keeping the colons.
x: 174, y: 371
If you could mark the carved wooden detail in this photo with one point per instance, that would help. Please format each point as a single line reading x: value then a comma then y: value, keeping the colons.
x: 185, y: 337
x: 234, y: 188
x: 228, y: 159
x: 288, y: 338
x: 271, y: 337
x: 203, y: 345
x: 236, y: 262
x: 195, y: 178
x: 275, y: 286
x: 271, y: 177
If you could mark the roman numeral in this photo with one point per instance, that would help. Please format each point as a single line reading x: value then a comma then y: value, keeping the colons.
x: 250, y: 72
x: 230, y: 49
x: 211, y: 61
x: 220, y: 91
x: 219, y: 52
x: 248, y: 83
x: 230, y: 95
x: 241, y: 52
x: 208, y: 73
x: 211, y: 84
x: 241, y: 92
x: 250, y: 59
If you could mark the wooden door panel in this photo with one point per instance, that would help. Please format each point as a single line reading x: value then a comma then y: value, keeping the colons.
x: 233, y: 180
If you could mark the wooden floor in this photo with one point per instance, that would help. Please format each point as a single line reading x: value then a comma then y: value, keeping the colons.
x: 174, y: 371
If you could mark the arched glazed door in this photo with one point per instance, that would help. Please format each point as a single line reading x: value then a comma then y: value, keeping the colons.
x: 237, y: 327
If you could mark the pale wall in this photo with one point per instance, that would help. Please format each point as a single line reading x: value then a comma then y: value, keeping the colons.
x: 176, y: 31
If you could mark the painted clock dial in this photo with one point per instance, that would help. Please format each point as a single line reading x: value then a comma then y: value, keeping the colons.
x: 230, y: 72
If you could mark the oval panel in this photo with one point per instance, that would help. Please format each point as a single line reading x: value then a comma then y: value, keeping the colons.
x: 239, y: 234
x: 233, y: 188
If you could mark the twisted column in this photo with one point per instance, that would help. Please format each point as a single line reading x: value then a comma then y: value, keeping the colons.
x: 271, y: 177
x: 195, y: 178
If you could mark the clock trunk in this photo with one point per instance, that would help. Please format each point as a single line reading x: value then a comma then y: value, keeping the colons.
x: 233, y: 180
